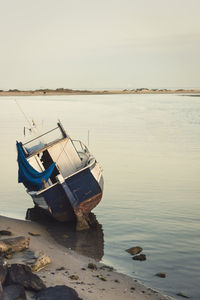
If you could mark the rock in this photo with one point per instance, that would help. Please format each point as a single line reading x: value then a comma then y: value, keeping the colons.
x: 182, y: 295
x: 92, y: 221
x: 102, y: 277
x: 41, y: 262
x: 3, y: 247
x: 108, y: 268
x: 60, y: 269
x: 3, y: 271
x: 81, y: 220
x: 22, y: 274
x: 16, y: 244
x: 34, y: 234
x: 92, y: 266
x: 5, y: 232
x: 140, y: 257
x: 8, y: 255
x: 134, y: 250
x: 61, y: 292
x: 14, y: 292
x: 36, y: 213
x: 161, y: 275
x: 74, y: 277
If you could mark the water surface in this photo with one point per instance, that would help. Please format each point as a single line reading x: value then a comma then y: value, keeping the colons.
x: 149, y: 148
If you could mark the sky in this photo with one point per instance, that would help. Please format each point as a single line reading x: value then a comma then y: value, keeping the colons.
x: 99, y: 44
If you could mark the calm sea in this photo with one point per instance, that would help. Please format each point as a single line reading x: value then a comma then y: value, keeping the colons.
x: 149, y: 149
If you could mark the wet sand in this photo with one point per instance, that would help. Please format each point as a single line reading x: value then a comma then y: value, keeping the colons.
x: 103, y: 283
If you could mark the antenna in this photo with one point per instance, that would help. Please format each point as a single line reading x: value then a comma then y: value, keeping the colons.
x: 32, y: 123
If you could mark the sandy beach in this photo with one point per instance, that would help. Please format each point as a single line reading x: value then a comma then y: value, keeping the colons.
x: 88, y: 283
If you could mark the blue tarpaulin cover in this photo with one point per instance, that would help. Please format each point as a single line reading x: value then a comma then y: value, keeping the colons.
x: 31, y: 178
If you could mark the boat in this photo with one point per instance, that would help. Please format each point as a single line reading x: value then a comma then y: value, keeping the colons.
x: 61, y: 175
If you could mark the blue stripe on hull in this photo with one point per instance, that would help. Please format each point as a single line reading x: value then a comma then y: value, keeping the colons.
x: 82, y: 185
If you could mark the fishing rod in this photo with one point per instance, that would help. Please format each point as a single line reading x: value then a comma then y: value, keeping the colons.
x: 32, y: 124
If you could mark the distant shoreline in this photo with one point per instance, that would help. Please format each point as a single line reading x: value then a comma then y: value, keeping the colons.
x: 62, y: 91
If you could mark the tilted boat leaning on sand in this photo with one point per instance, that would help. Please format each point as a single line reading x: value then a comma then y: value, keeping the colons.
x: 61, y: 175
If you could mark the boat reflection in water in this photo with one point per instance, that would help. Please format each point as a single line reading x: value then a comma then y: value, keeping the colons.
x: 88, y: 242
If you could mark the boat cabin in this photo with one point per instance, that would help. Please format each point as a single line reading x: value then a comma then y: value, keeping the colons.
x: 55, y: 146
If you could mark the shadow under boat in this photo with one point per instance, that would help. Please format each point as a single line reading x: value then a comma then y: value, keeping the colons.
x: 87, y: 242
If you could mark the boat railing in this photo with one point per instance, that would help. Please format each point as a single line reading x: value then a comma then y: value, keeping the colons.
x: 80, y: 147
x: 45, y: 139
